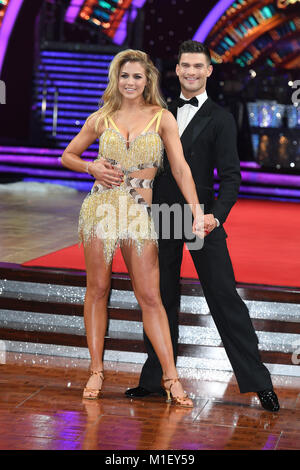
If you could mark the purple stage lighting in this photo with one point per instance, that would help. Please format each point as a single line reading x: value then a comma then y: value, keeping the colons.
x: 209, y: 22
x: 7, y: 27
x: 75, y: 55
x: 43, y: 172
x: 73, y: 10
x: 121, y: 32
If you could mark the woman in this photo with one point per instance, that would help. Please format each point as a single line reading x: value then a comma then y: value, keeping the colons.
x: 133, y: 126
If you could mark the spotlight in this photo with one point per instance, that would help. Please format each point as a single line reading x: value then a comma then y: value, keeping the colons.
x: 252, y: 73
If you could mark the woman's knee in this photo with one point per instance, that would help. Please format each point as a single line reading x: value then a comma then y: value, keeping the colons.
x: 97, y: 289
x: 150, y: 298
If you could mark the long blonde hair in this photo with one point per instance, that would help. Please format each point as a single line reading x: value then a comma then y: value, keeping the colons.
x: 112, y: 98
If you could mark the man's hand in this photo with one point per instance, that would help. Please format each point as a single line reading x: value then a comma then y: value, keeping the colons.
x: 209, y: 223
x: 107, y: 174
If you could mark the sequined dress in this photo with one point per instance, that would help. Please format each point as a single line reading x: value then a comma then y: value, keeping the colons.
x: 121, y: 214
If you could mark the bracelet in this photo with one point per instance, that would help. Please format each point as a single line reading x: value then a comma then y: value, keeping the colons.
x: 87, y: 168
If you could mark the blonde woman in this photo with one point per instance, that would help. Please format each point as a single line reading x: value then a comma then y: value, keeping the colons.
x: 133, y: 128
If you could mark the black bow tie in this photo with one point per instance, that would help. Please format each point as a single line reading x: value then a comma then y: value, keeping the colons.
x: 193, y: 101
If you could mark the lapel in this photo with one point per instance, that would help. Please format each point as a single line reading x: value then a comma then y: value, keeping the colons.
x: 196, y: 125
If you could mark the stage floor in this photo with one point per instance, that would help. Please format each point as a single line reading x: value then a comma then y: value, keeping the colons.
x: 41, y: 404
x: 35, y: 224
x: 41, y: 407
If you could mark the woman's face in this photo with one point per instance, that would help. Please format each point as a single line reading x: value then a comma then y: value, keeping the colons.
x: 132, y: 80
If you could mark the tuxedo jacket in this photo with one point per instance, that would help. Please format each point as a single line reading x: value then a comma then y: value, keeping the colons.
x: 209, y: 141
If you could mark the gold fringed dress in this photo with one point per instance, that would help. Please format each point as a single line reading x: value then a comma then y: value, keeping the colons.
x: 121, y: 214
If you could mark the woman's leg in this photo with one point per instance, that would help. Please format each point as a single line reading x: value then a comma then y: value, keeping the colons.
x: 144, y: 273
x: 98, y: 280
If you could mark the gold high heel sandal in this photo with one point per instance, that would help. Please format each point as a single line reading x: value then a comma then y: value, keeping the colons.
x: 181, y: 401
x: 93, y: 393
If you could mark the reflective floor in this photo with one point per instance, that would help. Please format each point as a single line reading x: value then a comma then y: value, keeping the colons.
x: 41, y: 407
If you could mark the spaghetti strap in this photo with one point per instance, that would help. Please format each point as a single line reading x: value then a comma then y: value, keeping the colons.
x: 114, y: 125
x: 152, y: 121
x: 157, y: 117
x: 106, y: 123
x: 158, y: 120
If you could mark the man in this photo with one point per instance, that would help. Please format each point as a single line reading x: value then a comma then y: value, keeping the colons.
x: 208, y: 136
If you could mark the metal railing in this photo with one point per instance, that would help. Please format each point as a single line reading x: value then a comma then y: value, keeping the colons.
x: 45, y: 93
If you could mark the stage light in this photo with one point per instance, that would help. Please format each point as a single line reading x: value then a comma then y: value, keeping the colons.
x: 7, y: 26
x: 211, y: 19
x: 292, y: 164
x: 252, y: 73
x: 73, y: 10
x: 239, y: 29
x: 105, y: 5
x: 290, y: 83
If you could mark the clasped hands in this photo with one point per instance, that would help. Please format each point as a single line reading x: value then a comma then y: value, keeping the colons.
x: 203, y: 224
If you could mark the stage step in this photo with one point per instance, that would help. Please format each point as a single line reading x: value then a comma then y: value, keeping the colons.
x: 79, y: 78
x: 41, y: 311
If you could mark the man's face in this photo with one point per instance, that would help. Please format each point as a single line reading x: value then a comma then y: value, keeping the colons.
x: 193, y: 70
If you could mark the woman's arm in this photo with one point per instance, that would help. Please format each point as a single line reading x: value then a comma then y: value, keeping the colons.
x: 179, y: 167
x: 71, y: 156
x: 102, y: 170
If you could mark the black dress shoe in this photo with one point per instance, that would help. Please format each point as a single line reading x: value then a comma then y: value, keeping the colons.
x: 268, y: 400
x: 139, y: 392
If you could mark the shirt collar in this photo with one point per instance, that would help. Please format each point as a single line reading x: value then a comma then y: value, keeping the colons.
x: 201, y: 98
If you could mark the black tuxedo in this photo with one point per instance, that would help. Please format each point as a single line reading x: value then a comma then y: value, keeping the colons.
x: 209, y: 142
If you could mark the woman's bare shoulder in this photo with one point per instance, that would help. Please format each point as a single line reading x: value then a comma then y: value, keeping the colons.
x: 95, y: 122
x: 154, y: 108
x: 168, y: 120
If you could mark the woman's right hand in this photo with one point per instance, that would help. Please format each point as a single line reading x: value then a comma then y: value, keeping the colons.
x: 198, y: 224
x: 105, y: 173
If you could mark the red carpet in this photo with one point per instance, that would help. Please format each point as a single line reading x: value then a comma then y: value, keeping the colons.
x: 263, y: 241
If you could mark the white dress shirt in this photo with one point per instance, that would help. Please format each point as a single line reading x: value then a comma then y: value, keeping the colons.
x: 186, y: 113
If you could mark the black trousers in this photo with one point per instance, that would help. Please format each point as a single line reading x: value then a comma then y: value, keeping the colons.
x: 229, y: 312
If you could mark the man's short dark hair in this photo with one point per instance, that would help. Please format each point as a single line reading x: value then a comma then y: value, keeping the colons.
x: 194, y: 47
